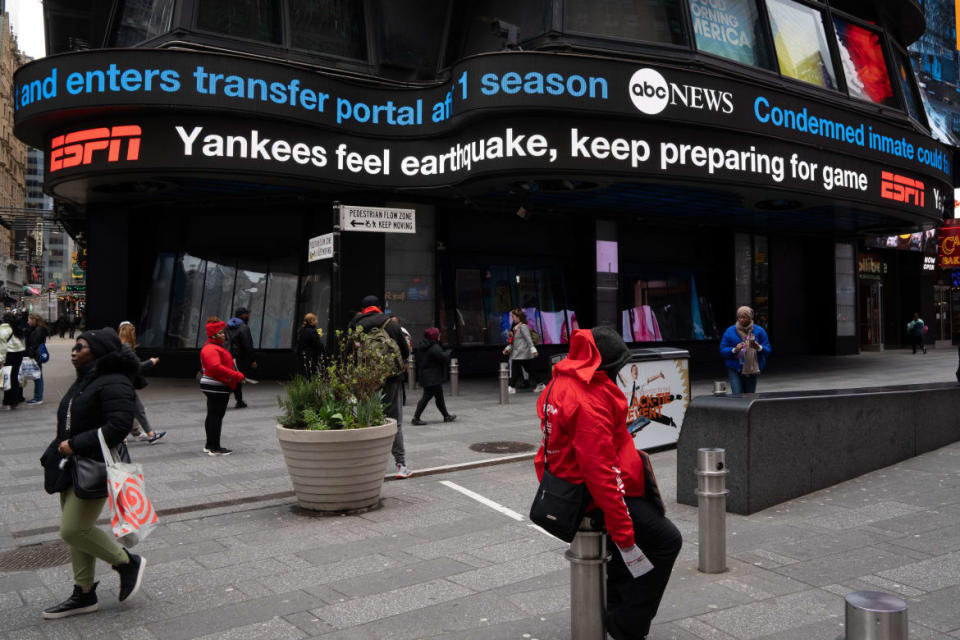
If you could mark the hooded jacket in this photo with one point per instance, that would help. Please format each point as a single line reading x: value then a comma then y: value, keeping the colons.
x: 588, y: 437
x: 432, y: 360
x: 240, y: 342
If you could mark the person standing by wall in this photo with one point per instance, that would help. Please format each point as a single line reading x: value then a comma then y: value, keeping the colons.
x: 12, y: 351
x: 219, y: 378
x: 310, y: 349
x: 35, y: 339
x: 128, y: 337
x: 241, y: 348
x: 431, y: 362
x: 744, y: 347
x: 521, y: 351
x: 915, y: 332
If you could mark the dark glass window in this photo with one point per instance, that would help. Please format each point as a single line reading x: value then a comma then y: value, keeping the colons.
x: 731, y: 29
x: 643, y: 20
x: 909, y: 84
x: 861, y: 55
x: 329, y: 26
x: 141, y: 20
x: 250, y: 19
x: 410, y: 34
x: 471, y: 27
x: 801, y: 43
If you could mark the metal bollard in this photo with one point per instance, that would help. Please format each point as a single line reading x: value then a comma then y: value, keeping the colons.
x: 454, y: 377
x: 874, y: 615
x: 712, y: 509
x: 587, y: 557
x: 720, y: 387
x: 412, y: 372
x: 504, y: 381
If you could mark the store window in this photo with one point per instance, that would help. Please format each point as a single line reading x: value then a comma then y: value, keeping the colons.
x: 667, y: 306
x: 156, y: 309
x: 845, y: 269
x: 329, y: 26
x: 801, y: 43
x: 185, y: 305
x: 279, y: 310
x: 731, y: 29
x: 658, y: 21
x: 250, y: 293
x: 140, y: 20
x: 217, y: 295
x: 864, y: 65
x: 249, y: 19
x: 908, y: 83
x: 752, y: 276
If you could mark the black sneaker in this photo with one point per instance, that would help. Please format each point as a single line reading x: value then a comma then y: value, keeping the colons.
x: 449, y: 418
x: 240, y: 405
x: 222, y: 451
x: 131, y: 574
x: 156, y: 436
x: 417, y: 421
x: 76, y: 604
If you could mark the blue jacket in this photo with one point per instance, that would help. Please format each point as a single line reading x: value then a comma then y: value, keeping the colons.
x: 731, y: 339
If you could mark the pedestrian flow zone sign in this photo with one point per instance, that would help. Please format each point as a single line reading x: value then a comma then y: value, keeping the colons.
x: 382, y: 219
x: 320, y: 248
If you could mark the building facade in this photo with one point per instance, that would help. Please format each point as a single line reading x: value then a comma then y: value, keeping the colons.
x: 12, y: 164
x: 643, y: 165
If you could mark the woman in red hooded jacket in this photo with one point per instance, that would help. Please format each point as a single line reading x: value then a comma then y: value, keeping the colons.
x: 585, y: 414
x: 220, y: 377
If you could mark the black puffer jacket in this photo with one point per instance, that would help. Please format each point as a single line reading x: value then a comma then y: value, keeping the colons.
x: 102, y: 397
x: 432, y: 362
x: 36, y: 337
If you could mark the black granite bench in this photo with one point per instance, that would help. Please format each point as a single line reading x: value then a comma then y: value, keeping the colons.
x: 783, y: 445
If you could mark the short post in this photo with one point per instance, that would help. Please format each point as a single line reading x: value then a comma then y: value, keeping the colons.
x: 454, y: 377
x: 719, y: 387
x: 874, y: 615
x: 587, y: 599
x: 712, y: 509
x: 504, y: 381
x: 412, y: 372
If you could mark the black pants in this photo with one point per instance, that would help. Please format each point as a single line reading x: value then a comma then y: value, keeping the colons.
x: 519, y: 366
x: 216, y: 408
x: 917, y: 341
x: 633, y: 602
x: 14, y: 396
x: 434, y: 391
x: 238, y: 392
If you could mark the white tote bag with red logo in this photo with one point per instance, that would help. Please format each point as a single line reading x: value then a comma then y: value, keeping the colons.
x: 132, y: 517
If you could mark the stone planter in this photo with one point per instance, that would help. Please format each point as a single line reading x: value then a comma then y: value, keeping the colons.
x: 337, y: 470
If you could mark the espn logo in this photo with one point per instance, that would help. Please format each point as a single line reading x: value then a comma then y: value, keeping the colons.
x: 901, y: 189
x: 77, y: 148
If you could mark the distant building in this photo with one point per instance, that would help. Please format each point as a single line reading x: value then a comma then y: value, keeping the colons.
x: 13, y: 156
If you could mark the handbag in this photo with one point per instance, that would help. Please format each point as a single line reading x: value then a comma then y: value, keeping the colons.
x: 43, y: 354
x: 559, y: 506
x: 132, y: 516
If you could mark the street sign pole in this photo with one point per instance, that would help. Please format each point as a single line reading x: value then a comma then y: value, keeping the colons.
x: 335, y: 282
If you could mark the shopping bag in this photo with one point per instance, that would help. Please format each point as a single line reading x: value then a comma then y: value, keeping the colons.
x: 5, y: 374
x: 29, y: 370
x: 44, y: 354
x: 132, y: 517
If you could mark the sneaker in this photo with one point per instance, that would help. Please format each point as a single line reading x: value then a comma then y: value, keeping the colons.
x: 76, y: 604
x: 251, y: 381
x: 156, y: 436
x: 207, y: 450
x: 540, y: 387
x: 403, y: 472
x: 418, y: 422
x: 222, y: 451
x: 143, y: 437
x: 511, y: 390
x: 449, y: 418
x: 34, y: 401
x: 240, y: 405
x: 131, y: 574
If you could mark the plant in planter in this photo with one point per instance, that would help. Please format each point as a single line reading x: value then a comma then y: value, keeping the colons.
x: 332, y: 430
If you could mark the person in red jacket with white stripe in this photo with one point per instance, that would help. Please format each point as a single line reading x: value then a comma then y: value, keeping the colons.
x: 586, y: 414
x: 220, y: 377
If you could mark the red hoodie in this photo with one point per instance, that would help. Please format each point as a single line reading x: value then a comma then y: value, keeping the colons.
x: 589, y: 441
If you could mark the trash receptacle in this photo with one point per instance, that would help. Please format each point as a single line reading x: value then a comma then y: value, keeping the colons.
x: 656, y: 383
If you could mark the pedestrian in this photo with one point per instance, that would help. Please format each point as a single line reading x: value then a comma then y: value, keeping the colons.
x: 744, y: 347
x: 100, y: 399
x: 141, y: 428
x: 310, y: 351
x: 220, y: 377
x: 521, y: 351
x: 915, y: 331
x: 36, y: 338
x: 371, y: 317
x: 240, y: 343
x: 584, y: 414
x: 73, y: 323
x: 431, y: 363
x: 12, y: 351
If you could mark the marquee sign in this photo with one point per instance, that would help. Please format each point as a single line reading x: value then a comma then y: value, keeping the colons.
x: 948, y: 253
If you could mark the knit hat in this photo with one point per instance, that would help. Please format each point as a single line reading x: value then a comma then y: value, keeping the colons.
x: 213, y: 328
x: 370, y: 301
x: 101, y: 341
x: 613, y: 350
x: 432, y: 333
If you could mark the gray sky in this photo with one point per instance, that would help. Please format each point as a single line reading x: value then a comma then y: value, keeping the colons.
x: 26, y: 18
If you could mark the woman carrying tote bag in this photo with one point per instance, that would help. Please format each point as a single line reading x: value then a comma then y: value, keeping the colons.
x: 101, y: 398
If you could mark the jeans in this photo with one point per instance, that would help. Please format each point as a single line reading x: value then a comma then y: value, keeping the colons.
x: 393, y: 408
x: 633, y: 602
x: 216, y: 408
x: 740, y: 384
x: 38, y: 384
x: 78, y: 528
x: 435, y: 391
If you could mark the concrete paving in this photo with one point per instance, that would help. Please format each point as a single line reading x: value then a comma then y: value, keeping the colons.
x: 240, y: 561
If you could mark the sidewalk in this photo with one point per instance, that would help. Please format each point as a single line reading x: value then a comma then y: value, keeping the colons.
x: 433, y: 563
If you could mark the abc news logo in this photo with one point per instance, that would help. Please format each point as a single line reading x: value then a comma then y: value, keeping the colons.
x: 651, y: 93
x: 78, y: 148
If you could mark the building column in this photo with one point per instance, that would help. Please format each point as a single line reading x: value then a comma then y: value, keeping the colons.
x: 107, y: 279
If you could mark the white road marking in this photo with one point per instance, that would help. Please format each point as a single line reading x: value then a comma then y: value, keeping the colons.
x: 493, y: 505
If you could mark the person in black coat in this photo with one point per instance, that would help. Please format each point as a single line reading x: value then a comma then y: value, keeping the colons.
x: 310, y: 351
x: 240, y: 346
x: 101, y: 399
x: 432, y: 361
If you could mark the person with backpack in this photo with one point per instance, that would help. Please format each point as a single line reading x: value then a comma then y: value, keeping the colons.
x: 915, y: 330
x: 240, y: 343
x: 521, y: 351
x: 432, y: 360
x: 386, y: 330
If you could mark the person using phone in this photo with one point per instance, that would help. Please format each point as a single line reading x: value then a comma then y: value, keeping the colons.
x: 744, y: 347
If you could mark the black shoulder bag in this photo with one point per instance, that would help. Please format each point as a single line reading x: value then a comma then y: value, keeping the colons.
x: 559, y: 506
x: 88, y: 474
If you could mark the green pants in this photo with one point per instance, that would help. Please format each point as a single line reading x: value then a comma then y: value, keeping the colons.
x: 78, y: 528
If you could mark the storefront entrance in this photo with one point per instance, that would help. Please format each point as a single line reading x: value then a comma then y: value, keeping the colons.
x: 871, y: 302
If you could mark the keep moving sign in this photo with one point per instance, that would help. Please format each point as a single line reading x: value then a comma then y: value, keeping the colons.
x: 381, y: 219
